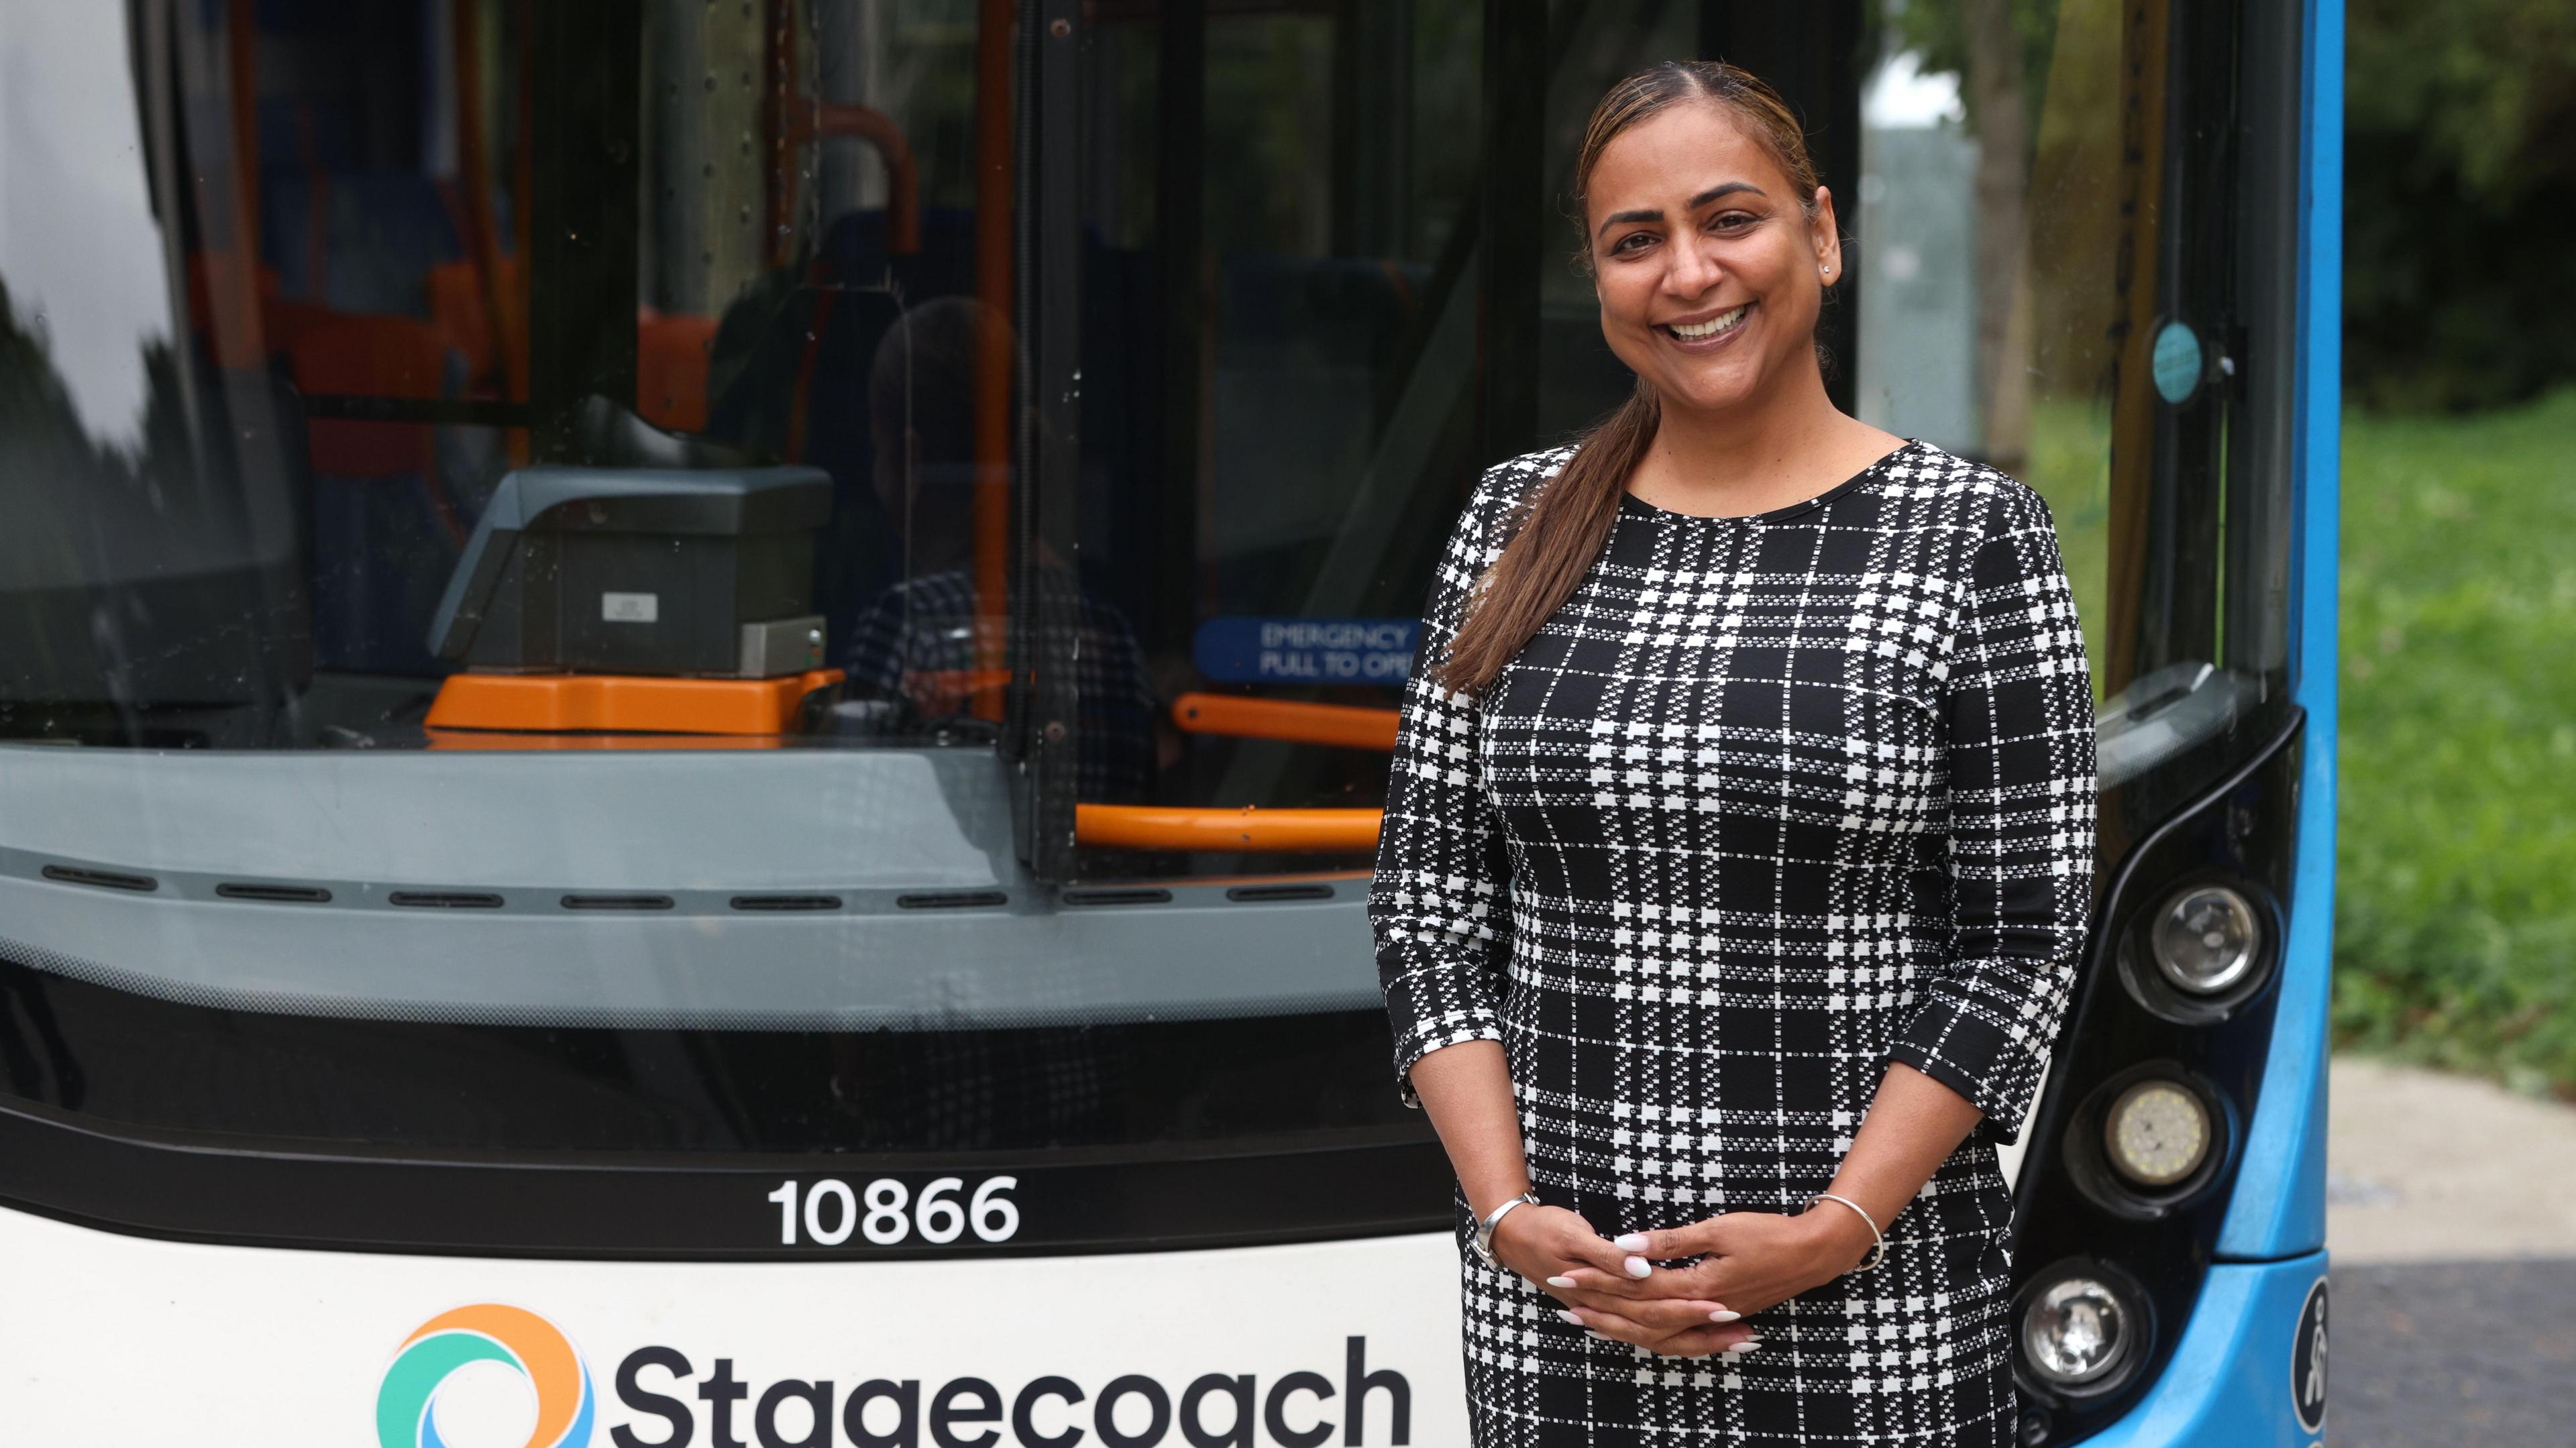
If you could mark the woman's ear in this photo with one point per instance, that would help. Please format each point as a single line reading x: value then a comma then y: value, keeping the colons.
x: 1828, y: 237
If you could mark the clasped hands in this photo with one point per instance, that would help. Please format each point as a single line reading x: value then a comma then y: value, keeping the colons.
x: 1746, y: 1261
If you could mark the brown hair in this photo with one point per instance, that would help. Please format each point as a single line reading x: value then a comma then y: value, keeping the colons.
x: 1546, y: 559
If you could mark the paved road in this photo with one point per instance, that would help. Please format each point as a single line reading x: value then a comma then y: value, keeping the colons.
x: 2456, y: 1355
x: 2451, y: 1209
x: 2423, y: 1167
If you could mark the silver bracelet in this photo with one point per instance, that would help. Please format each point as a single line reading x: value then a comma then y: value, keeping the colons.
x: 1878, y: 1251
x: 1484, y: 1239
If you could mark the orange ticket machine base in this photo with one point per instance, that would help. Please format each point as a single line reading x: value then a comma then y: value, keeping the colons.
x: 627, y: 704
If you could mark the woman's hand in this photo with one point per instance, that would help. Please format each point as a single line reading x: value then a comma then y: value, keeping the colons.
x: 1747, y: 1260
x: 1540, y: 1242
x: 1552, y: 1247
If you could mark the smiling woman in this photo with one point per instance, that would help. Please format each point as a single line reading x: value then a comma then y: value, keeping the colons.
x: 1713, y: 251
x: 1773, y: 730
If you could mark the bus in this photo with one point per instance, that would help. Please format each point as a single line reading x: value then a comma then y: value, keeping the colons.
x: 693, y: 692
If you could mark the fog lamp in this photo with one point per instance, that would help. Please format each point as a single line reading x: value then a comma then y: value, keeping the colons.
x: 2075, y: 1331
x: 2207, y: 939
x: 2157, y: 1133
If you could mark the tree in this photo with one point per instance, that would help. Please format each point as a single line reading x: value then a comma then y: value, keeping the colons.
x: 2459, y: 197
x: 2000, y: 49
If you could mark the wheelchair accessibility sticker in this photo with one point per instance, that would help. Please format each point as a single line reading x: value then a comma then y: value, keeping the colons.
x: 2308, y: 1361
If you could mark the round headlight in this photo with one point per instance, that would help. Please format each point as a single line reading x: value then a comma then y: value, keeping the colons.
x: 2075, y: 1331
x: 2157, y: 1133
x: 2207, y: 939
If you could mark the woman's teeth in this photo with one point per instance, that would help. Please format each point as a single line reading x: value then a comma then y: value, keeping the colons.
x: 1722, y: 322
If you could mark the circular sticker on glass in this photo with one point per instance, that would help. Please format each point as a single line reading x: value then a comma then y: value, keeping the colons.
x: 2177, y: 363
x: 2308, y: 1361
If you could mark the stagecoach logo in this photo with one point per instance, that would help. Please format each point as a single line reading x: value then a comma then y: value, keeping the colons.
x: 684, y: 1402
x: 406, y: 1405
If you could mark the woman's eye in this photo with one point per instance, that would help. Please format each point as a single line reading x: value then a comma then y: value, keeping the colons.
x: 1630, y: 242
x: 1733, y: 221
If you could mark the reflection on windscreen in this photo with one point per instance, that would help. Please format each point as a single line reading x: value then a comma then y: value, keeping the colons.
x: 918, y: 650
x: 281, y: 326
x: 2006, y: 290
x: 278, y: 340
x: 278, y: 325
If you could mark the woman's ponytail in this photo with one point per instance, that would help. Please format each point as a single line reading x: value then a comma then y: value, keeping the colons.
x: 1552, y: 547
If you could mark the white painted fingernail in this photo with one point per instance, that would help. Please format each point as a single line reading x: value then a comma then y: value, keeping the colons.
x: 1570, y: 1317
x: 1632, y: 1242
x: 1560, y: 1282
x: 1639, y: 1267
x: 1748, y: 1345
x: 1722, y: 1315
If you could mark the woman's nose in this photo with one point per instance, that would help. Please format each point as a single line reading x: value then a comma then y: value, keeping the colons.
x: 1695, y: 268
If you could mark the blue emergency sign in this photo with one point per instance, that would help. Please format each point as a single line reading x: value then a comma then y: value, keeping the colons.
x: 1239, y: 649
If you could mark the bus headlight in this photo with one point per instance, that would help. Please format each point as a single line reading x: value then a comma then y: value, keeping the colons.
x: 2076, y: 1331
x: 2157, y: 1133
x: 2207, y: 939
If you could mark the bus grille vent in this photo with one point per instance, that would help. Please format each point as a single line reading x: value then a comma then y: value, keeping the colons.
x: 1107, y: 895
x: 786, y: 902
x: 275, y: 894
x: 951, y: 900
x: 101, y: 879
x: 617, y: 902
x: 1259, y: 894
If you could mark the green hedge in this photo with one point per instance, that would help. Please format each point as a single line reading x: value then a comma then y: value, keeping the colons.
x: 2455, y: 923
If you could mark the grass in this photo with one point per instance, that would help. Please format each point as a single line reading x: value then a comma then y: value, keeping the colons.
x: 2455, y: 920
x: 2455, y: 923
x: 2070, y: 466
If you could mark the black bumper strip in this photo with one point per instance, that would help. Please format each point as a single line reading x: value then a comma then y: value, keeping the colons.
x: 1373, y: 1183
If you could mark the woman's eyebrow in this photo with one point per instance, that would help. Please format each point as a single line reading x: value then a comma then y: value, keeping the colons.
x: 1728, y: 188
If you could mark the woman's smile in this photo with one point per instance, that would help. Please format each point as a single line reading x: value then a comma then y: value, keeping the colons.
x: 1709, y: 332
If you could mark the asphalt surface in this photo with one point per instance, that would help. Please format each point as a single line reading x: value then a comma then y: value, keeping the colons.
x: 2451, y: 1212
x: 2454, y: 1354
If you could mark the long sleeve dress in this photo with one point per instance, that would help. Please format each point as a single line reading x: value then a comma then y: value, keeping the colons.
x: 1771, y: 802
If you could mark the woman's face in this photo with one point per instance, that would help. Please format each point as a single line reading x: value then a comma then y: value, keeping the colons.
x: 1708, y: 269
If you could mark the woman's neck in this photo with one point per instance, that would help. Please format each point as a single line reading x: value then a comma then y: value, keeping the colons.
x: 1766, y: 454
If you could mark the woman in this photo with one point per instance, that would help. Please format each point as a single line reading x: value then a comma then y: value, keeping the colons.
x: 1737, y: 852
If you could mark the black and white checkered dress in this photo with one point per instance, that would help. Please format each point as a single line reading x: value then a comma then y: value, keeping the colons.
x: 1771, y: 802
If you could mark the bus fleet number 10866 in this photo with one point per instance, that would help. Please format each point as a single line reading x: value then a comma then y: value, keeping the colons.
x: 886, y: 1212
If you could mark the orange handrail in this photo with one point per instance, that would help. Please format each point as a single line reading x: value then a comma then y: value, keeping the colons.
x: 994, y: 242
x: 903, y: 176
x: 1175, y: 827
x: 1348, y: 726
x: 241, y: 59
x: 474, y: 168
